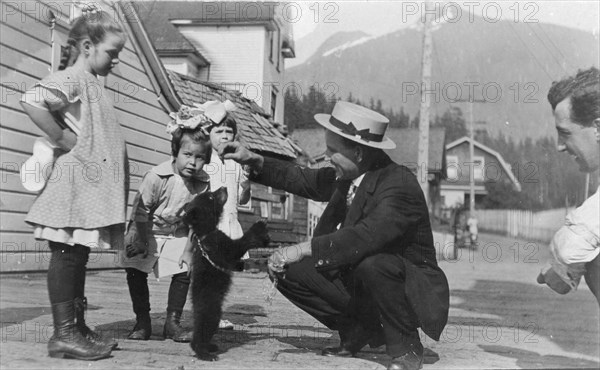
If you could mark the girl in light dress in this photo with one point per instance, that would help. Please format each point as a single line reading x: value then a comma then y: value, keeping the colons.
x: 157, y: 236
x: 228, y: 173
x: 83, y: 204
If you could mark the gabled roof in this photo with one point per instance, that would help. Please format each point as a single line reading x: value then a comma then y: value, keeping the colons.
x: 158, y: 18
x: 255, y: 130
x: 406, y: 152
x: 167, y: 40
x: 505, y: 166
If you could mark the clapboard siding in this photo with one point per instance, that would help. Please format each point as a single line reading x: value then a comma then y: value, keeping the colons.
x: 18, y: 121
x: 15, y: 202
x: 12, y: 161
x: 141, y: 124
x: 125, y: 74
x: 15, y: 242
x: 26, y: 55
x: 15, y: 79
x: 27, y: 44
x: 28, y: 23
x: 17, y: 59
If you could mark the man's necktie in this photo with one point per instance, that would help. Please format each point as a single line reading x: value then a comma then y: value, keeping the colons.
x: 351, y: 194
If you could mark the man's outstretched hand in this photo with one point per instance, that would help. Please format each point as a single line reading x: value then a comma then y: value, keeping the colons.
x: 240, y: 154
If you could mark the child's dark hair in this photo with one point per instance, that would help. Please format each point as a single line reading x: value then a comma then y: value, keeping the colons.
x: 196, y: 135
x: 227, y: 121
x: 92, y: 25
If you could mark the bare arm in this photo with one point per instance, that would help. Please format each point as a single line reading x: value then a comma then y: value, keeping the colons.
x: 187, y: 256
x: 244, y: 188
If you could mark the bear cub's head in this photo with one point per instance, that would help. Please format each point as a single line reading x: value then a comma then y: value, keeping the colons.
x: 204, y: 211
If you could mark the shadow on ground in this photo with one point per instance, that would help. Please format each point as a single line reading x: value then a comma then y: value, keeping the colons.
x: 16, y: 315
x: 531, y: 360
x: 525, y: 313
x: 304, y: 339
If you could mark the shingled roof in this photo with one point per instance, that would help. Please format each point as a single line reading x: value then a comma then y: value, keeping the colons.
x: 255, y: 129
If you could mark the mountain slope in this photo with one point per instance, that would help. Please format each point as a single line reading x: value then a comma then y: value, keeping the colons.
x: 510, y: 65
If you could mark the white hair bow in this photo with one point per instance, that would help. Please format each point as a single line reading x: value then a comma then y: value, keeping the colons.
x: 209, y: 113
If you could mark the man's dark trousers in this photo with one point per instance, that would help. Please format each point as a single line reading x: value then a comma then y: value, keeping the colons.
x: 370, y: 294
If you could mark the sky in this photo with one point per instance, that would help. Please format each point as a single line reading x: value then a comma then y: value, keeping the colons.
x: 358, y: 15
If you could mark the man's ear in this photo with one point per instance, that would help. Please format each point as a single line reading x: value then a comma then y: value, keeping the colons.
x: 359, y: 153
x: 596, y: 125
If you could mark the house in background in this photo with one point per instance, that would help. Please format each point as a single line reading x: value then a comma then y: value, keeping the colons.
x: 143, y: 93
x: 199, y: 72
x: 285, y: 213
x: 487, y: 165
x: 29, y: 53
x: 238, y: 45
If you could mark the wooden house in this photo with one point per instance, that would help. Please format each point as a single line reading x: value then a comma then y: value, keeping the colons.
x: 487, y: 166
x: 238, y: 45
x: 143, y: 94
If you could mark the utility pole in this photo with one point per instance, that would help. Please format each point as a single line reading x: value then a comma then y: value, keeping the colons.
x: 423, y: 155
x: 471, y: 122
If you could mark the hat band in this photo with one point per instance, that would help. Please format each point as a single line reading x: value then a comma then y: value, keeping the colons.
x: 349, y: 129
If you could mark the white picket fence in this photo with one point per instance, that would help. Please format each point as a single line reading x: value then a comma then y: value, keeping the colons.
x: 521, y: 223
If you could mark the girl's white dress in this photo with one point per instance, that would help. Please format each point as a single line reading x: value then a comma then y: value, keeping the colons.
x: 229, y: 174
x: 85, y: 198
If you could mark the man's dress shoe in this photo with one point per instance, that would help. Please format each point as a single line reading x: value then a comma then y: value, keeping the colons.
x: 342, y: 350
x: 354, y: 344
x: 409, y: 361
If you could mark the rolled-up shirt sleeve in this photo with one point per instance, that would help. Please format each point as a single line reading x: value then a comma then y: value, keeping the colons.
x: 147, y: 198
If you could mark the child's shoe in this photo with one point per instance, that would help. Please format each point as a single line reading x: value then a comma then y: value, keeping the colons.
x: 174, y: 330
x: 142, y: 329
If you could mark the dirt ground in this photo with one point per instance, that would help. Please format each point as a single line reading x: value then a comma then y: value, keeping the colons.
x: 499, y: 318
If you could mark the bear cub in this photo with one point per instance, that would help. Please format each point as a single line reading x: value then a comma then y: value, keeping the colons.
x: 215, y: 256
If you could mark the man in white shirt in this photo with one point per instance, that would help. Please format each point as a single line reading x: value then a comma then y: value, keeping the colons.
x: 575, y: 103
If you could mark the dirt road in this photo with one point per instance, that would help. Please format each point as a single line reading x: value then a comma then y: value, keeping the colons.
x: 499, y: 318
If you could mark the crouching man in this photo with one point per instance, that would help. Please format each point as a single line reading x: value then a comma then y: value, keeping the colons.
x: 370, y: 271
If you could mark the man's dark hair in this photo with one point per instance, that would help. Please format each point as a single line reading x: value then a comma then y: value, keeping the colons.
x: 584, y: 91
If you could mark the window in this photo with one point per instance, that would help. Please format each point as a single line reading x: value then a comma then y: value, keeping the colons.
x: 452, y: 168
x: 273, y: 102
x: 478, y: 168
x: 278, y: 49
x: 58, y: 45
x: 248, y: 206
x: 274, y: 204
x: 278, y: 209
x: 271, y: 36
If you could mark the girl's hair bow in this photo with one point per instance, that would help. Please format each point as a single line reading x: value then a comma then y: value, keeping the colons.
x: 207, y: 114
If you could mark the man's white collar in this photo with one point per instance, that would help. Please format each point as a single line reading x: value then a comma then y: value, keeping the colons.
x: 356, y: 182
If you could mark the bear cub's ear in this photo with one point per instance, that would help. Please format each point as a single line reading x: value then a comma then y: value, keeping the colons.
x: 221, y: 195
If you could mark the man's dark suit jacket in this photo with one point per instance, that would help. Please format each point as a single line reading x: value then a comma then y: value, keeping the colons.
x: 388, y: 215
